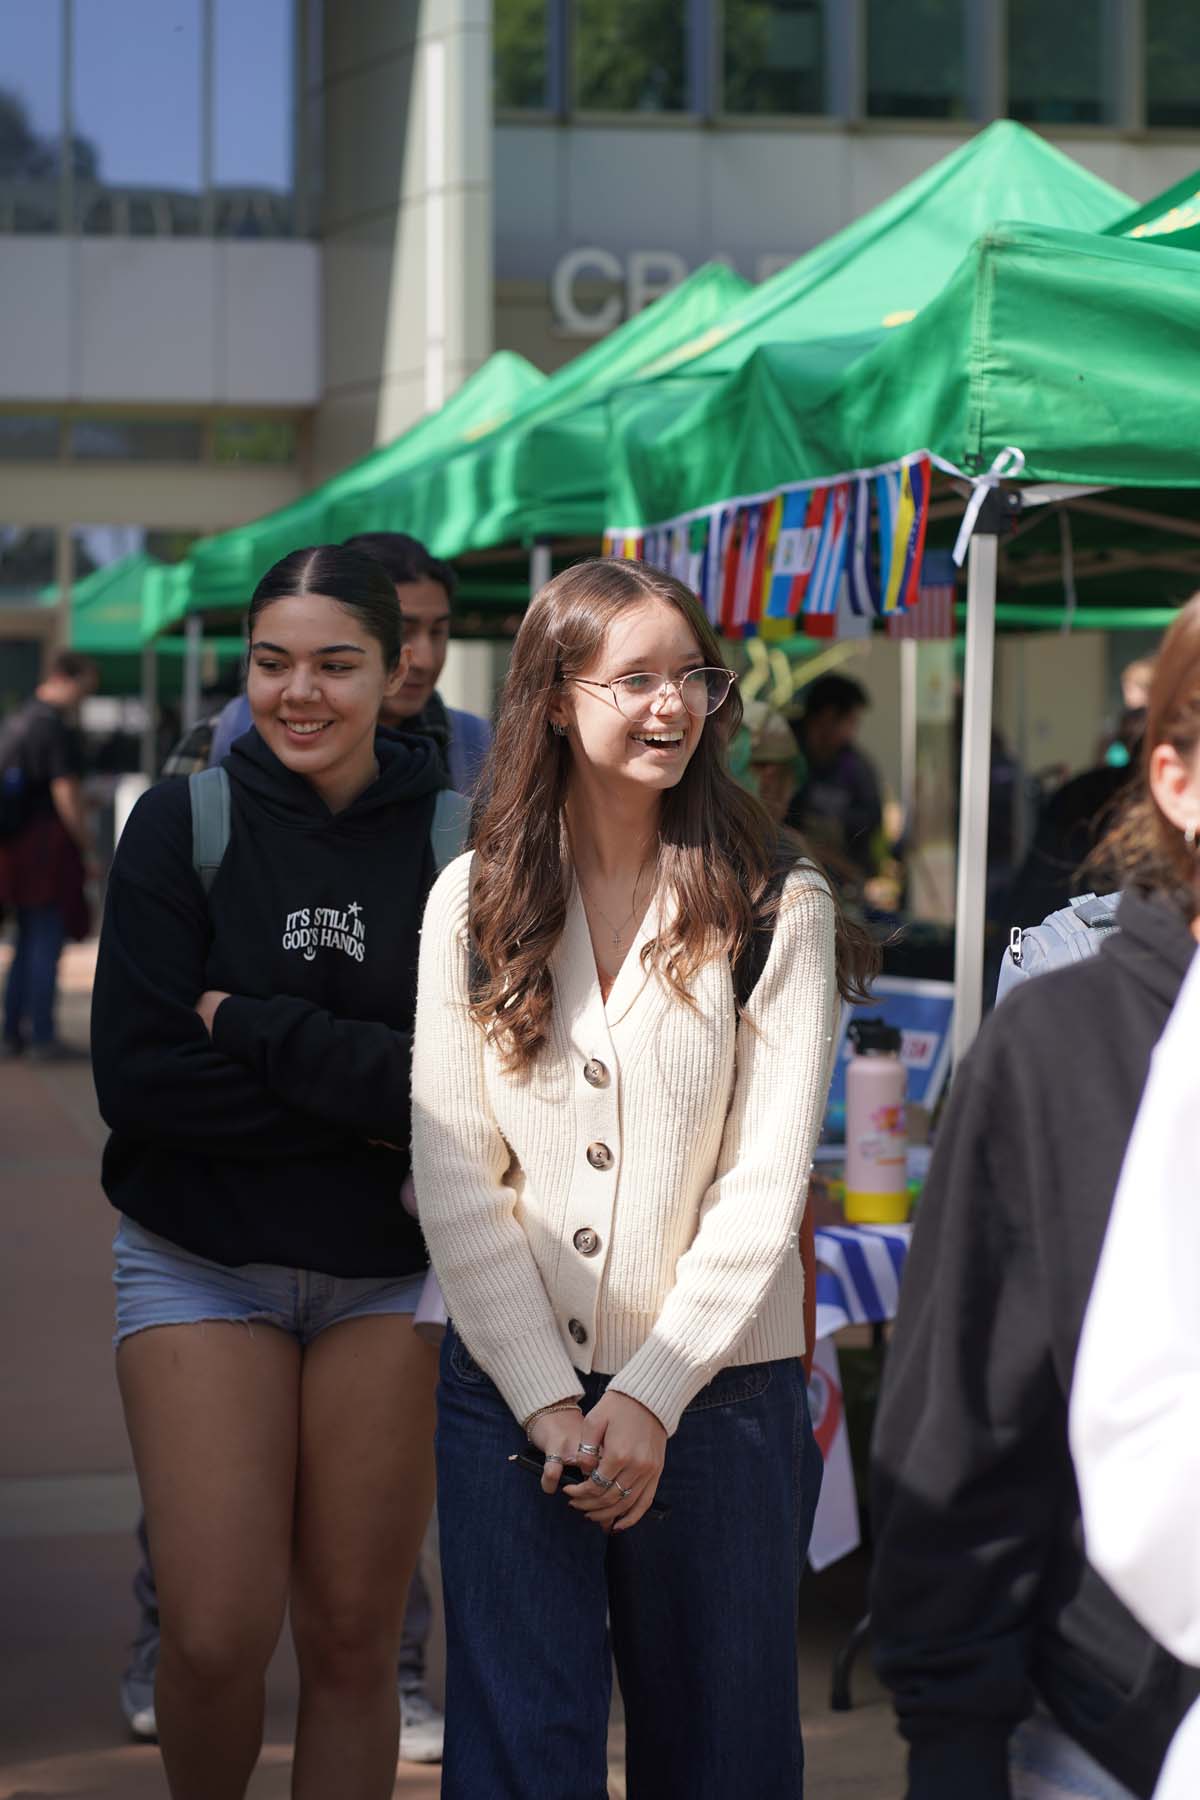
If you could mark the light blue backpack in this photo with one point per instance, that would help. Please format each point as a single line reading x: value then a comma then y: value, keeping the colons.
x: 1070, y: 935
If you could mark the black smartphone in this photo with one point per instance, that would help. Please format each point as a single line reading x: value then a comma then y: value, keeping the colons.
x: 534, y: 1461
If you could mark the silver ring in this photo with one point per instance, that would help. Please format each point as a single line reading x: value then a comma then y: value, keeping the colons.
x: 588, y: 1450
x: 624, y: 1492
x: 552, y: 1456
x: 599, y: 1480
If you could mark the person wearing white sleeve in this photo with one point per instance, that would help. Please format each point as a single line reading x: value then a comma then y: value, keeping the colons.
x: 611, y: 1167
x: 1135, y: 1406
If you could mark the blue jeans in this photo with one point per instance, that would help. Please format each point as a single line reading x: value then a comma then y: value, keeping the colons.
x: 699, y: 1610
x: 33, y: 974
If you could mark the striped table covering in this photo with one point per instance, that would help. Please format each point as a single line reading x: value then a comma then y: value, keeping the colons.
x: 858, y: 1274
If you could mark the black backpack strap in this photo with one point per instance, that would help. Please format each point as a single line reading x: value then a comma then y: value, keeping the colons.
x: 752, y: 959
x: 208, y: 791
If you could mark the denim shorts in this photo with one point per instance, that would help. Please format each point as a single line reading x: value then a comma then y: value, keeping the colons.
x: 157, y: 1283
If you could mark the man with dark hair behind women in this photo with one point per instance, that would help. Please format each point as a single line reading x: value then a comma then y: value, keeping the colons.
x: 836, y: 806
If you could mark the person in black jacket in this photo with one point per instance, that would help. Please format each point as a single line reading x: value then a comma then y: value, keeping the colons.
x: 1010, y: 1662
x: 252, y: 1054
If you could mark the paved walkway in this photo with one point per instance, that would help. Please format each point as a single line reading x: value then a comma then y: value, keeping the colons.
x: 68, y: 1500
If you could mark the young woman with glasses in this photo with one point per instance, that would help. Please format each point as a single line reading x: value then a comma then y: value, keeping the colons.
x: 611, y: 1166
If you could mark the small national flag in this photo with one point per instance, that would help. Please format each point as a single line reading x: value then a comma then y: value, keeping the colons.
x: 731, y: 545
x: 933, y: 615
x: 744, y: 593
x: 795, y: 550
x: 767, y: 543
x: 864, y: 597
x: 698, y: 570
x: 902, y: 512
x: 825, y: 581
x: 920, y: 481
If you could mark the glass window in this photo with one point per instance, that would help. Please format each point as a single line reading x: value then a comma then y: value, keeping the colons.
x: 136, y: 94
x: 519, y: 54
x: 916, y: 67
x: 1056, y: 60
x: 29, y: 437
x: 254, y: 441
x: 774, y: 56
x: 137, y: 440
x: 30, y: 116
x: 1173, y: 63
x: 253, y: 149
x: 630, y: 55
x: 27, y: 565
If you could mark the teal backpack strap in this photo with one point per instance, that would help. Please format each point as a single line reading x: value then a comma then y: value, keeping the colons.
x: 208, y: 791
x: 448, y: 833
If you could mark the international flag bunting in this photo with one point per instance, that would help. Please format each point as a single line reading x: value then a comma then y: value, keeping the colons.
x: 821, y: 596
x: 759, y: 565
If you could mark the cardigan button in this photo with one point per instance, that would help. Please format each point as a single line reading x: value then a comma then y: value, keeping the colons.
x: 600, y: 1156
x: 586, y: 1241
x: 577, y: 1331
x: 595, y: 1073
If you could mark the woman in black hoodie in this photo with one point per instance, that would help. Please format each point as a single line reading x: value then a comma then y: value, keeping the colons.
x: 252, y: 1051
x: 1015, y: 1671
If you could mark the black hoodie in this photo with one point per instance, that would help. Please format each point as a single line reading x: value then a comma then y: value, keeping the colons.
x: 256, y: 1146
x: 981, y: 1595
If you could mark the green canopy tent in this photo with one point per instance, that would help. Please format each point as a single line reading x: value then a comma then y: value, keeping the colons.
x: 486, y: 490
x: 1071, y: 346
x: 225, y: 568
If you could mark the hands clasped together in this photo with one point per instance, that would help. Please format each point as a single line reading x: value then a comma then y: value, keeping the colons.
x: 620, y: 1446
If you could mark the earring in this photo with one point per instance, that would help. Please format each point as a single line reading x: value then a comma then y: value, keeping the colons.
x: 559, y: 730
x: 1189, y: 837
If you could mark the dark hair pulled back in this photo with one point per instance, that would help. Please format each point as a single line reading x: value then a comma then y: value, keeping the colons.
x: 355, y: 581
x: 1144, y: 849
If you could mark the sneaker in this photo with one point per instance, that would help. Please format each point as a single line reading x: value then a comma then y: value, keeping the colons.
x: 422, y: 1729
x: 137, y: 1687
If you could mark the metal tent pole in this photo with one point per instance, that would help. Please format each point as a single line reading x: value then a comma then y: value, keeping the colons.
x: 150, y: 704
x: 193, y: 651
x: 973, y: 791
x: 540, y: 566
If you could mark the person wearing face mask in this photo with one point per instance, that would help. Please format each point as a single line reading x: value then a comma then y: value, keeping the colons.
x: 613, y: 1130
x: 252, y: 1049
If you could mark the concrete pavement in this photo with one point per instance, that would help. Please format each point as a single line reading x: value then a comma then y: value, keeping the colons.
x: 68, y: 1500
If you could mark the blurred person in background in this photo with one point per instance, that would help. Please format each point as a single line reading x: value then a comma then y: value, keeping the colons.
x: 1061, y: 860
x: 772, y: 757
x: 46, y: 851
x: 1016, y: 1673
x: 837, y: 806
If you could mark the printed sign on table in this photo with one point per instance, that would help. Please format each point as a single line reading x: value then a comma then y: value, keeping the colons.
x: 923, y: 1011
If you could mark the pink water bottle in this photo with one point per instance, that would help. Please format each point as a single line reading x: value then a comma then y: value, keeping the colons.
x: 876, y: 1132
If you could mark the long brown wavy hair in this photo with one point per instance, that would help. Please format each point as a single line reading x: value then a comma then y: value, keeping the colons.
x: 1144, y: 849
x: 718, y: 846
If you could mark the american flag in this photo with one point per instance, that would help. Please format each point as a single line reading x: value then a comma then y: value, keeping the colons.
x: 933, y: 615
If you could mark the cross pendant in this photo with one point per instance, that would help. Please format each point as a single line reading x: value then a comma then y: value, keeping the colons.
x: 616, y: 940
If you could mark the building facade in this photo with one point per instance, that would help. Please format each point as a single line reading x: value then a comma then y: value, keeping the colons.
x: 244, y: 241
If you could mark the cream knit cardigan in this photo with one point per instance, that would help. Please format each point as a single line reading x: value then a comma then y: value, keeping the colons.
x: 632, y: 1204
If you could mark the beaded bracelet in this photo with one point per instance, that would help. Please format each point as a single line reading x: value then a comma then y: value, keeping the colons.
x: 556, y: 1406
